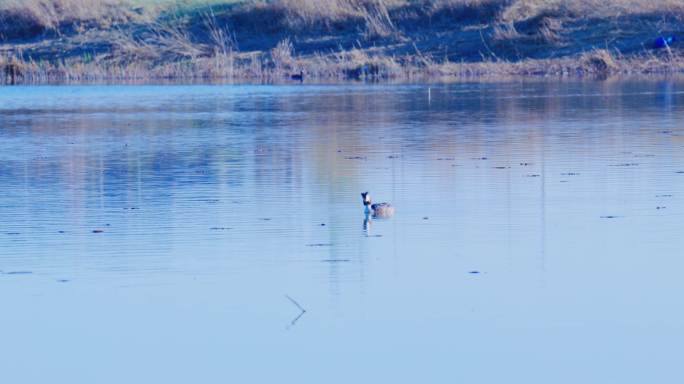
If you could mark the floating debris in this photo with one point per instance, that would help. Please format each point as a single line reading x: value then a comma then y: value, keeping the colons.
x: 98, y: 230
x: 130, y: 208
x: 61, y: 232
x: 322, y: 224
x: 659, y: 207
x: 319, y: 245
x: 610, y: 217
x: 426, y: 218
x: 393, y: 156
x: 524, y: 164
x: 302, y: 311
x: 474, y: 272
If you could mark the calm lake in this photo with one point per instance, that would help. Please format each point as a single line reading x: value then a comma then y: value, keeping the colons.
x: 170, y: 234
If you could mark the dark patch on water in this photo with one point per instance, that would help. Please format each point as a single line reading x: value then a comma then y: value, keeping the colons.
x: 474, y: 272
x: 663, y: 196
x: 373, y: 235
x: 533, y: 175
x: 680, y: 172
x: 319, y: 245
x: 356, y: 157
x: 610, y: 217
x: 661, y: 207
x: 12, y: 233
x: 446, y: 159
x: 570, y: 174
x: 62, y: 280
x: 98, y: 231
x: 625, y: 165
x: 525, y: 164
x: 220, y: 228
x: 19, y: 273
x: 393, y: 156
x: 265, y: 219
x: 335, y: 260
x: 500, y: 167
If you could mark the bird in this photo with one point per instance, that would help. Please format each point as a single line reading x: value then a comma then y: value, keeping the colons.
x: 381, y: 210
x: 298, y: 77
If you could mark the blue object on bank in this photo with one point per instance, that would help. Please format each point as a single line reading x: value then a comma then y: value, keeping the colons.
x: 664, y: 41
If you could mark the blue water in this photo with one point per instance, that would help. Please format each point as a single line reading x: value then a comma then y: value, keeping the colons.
x: 170, y: 234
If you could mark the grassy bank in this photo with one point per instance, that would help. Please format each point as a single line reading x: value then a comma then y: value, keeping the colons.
x: 56, y: 40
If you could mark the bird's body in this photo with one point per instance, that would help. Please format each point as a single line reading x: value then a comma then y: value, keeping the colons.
x: 298, y: 76
x: 382, y: 210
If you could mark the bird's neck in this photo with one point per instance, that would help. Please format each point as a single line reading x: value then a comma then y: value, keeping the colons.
x: 367, y: 209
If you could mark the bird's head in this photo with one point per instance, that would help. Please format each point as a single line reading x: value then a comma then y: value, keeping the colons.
x: 366, y: 198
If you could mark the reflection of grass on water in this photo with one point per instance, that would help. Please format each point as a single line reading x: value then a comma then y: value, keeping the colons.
x: 43, y: 40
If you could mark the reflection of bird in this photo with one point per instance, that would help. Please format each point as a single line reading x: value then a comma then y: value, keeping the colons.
x: 367, y: 222
x: 298, y: 77
x: 378, y: 210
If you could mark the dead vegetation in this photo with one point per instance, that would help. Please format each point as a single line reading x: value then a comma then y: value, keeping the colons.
x: 30, y: 18
x: 53, y: 40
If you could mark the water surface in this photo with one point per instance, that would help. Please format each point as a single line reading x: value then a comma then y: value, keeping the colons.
x: 170, y: 234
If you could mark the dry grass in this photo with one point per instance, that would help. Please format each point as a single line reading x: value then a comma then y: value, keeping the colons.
x: 335, y: 39
x: 31, y: 17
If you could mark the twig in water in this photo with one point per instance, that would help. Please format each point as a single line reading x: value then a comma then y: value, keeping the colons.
x: 295, y: 303
x: 301, y: 313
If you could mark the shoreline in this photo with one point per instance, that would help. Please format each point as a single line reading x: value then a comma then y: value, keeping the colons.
x: 595, y: 65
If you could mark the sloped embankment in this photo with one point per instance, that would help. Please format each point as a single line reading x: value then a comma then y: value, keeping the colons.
x: 44, y: 40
